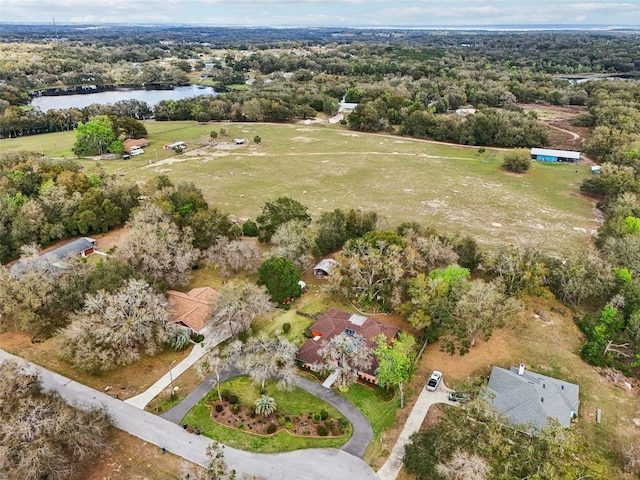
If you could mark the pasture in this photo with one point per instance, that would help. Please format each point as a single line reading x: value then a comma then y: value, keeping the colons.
x: 454, y: 188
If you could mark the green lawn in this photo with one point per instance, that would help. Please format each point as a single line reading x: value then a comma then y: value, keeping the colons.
x: 454, y: 188
x: 379, y: 408
x: 289, y: 403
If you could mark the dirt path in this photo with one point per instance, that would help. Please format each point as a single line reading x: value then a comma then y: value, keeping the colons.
x: 574, y: 136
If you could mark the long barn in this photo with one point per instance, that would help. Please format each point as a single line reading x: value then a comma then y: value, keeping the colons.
x: 549, y: 155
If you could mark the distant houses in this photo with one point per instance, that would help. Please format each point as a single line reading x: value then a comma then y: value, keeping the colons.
x: 54, y: 260
x: 337, y: 321
x: 527, y: 398
x: 549, y: 155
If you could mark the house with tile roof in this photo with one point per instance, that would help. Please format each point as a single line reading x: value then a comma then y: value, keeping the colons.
x: 192, y: 310
x: 527, y: 398
x: 337, y: 321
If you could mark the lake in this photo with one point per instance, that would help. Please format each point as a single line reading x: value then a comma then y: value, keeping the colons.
x: 151, y: 97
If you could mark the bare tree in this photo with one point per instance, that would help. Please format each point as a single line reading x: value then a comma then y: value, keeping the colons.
x: 156, y: 247
x: 27, y: 297
x: 41, y: 436
x: 218, y: 360
x: 346, y: 355
x: 370, y: 275
x: 233, y: 255
x: 293, y: 240
x: 423, y: 254
x: 237, y: 306
x: 116, y: 328
x: 464, y: 466
x: 263, y: 358
x: 481, y: 308
x: 216, y: 468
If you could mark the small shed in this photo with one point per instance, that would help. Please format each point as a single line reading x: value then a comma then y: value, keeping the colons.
x: 324, y: 268
x: 595, y: 169
x: 549, y: 155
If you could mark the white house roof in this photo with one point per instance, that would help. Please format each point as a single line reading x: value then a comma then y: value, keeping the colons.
x: 548, y: 152
x: 531, y: 398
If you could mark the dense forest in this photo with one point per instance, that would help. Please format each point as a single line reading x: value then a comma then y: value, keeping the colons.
x: 403, y: 81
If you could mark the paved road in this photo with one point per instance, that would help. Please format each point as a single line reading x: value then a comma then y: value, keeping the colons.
x: 313, y: 464
x: 356, y: 445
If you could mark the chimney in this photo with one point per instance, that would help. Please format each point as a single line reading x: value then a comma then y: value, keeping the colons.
x: 521, y: 369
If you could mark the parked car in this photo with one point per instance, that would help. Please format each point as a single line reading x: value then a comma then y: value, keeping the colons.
x: 136, y: 151
x: 434, y: 381
x: 126, y: 156
x: 458, y: 397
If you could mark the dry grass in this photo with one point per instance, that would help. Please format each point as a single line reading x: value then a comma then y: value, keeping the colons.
x: 548, y: 345
x: 127, y: 381
x: 132, y: 459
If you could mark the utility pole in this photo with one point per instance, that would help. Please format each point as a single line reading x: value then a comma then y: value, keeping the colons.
x: 171, y: 378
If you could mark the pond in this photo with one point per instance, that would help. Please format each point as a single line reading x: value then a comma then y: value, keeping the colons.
x: 151, y: 97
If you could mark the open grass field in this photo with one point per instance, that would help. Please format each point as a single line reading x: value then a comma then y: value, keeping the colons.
x: 454, y: 188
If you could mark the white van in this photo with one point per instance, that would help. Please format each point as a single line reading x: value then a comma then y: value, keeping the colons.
x: 136, y: 151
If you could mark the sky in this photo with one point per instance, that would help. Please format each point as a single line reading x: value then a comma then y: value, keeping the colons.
x: 373, y: 13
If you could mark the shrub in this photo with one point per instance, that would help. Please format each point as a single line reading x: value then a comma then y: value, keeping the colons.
x: 322, y: 430
x: 235, y: 407
x: 286, y: 327
x: 281, y: 421
x: 272, y: 428
x: 233, y: 399
x: 343, y: 423
x: 198, y: 338
x: 516, y: 161
x: 250, y: 228
x: 219, y: 408
x: 225, y: 394
x: 257, y: 139
x: 316, y: 418
x: 213, y: 134
x: 324, y: 414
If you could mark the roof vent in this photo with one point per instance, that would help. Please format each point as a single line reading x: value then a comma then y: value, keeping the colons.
x: 521, y: 369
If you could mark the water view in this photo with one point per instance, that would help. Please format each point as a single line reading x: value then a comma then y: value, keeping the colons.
x: 151, y: 97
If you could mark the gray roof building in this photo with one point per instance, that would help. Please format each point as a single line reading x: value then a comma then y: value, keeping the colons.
x: 324, y: 268
x: 525, y: 397
x: 53, y: 260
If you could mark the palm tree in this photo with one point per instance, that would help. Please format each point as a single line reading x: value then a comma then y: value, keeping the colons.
x: 265, y: 405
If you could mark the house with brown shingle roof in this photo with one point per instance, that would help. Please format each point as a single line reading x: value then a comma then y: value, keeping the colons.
x: 191, y: 310
x: 337, y: 321
x: 131, y: 143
